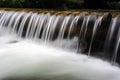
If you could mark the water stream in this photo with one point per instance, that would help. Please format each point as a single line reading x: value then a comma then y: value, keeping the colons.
x: 45, y: 46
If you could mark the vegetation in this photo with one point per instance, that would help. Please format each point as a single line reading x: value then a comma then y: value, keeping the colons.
x: 114, y: 5
x: 55, y: 4
x: 62, y: 4
x: 12, y: 3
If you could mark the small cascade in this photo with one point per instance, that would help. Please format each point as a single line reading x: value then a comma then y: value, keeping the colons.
x: 96, y: 26
x: 112, y: 40
x: 92, y: 34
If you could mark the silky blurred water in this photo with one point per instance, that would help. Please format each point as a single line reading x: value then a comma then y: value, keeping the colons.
x: 22, y: 59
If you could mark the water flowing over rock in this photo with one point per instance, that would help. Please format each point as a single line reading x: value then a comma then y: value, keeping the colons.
x: 96, y: 35
x: 93, y: 34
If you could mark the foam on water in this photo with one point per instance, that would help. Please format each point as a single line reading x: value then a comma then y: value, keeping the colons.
x: 28, y: 60
x: 7, y: 38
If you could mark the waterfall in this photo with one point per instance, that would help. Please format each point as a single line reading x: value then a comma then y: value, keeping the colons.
x: 92, y: 34
x: 59, y: 46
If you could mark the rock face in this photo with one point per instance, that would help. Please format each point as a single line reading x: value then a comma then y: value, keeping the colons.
x: 101, y: 33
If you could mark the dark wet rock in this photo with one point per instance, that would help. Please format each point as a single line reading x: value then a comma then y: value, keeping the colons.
x: 101, y: 33
x: 112, y: 38
x: 79, y: 25
x: 86, y: 31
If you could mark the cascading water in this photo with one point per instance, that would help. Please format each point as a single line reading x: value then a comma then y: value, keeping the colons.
x: 39, y: 27
x: 60, y: 29
x: 58, y: 40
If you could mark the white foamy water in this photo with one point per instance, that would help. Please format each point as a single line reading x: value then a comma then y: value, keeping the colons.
x: 6, y: 38
x: 27, y: 60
